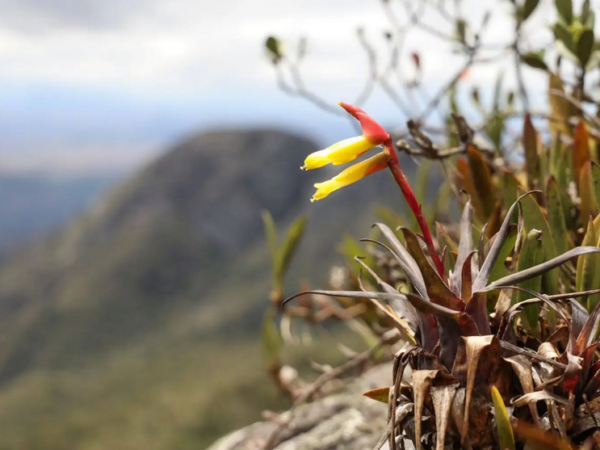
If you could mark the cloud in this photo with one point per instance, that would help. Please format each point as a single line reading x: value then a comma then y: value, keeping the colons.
x: 116, y: 72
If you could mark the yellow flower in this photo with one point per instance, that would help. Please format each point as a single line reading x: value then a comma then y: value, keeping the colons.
x: 339, y: 153
x: 350, y: 175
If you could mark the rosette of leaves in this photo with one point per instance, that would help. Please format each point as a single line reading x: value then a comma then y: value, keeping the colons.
x: 534, y: 352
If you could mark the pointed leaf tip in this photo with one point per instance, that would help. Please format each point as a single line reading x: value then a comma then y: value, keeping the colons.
x: 505, y: 433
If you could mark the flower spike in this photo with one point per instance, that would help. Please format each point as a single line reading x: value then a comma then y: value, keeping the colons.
x: 351, y: 175
x: 339, y: 153
x: 349, y: 149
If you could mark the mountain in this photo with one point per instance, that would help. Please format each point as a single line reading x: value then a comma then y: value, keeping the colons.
x: 135, y: 326
x: 34, y: 204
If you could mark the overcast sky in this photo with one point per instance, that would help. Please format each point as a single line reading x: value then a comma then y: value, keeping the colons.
x: 94, y: 85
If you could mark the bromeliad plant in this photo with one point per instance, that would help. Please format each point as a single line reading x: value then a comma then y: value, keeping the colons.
x: 500, y: 326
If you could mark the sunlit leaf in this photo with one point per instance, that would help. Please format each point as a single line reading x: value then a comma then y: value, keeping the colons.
x: 379, y: 394
x: 505, y: 433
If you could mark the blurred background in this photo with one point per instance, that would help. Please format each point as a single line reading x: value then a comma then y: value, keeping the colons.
x: 139, y: 143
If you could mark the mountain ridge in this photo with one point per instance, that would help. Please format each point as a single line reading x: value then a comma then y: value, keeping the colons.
x: 164, y: 281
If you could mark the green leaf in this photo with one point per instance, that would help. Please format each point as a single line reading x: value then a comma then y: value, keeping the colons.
x: 389, y: 216
x: 565, y: 10
x: 271, y: 340
x: 556, y: 217
x: 510, y: 188
x: 505, y: 433
x: 595, y: 174
x: 405, y: 260
x: 271, y: 234
x: 437, y: 290
x: 535, y: 60
x: 529, y: 7
x: 506, y: 250
x: 531, y: 255
x: 510, y: 99
x: 585, y: 12
x: 274, y: 49
x: 534, y: 219
x: 587, y: 205
x: 461, y: 29
x: 586, y: 263
x: 443, y: 202
x: 590, y: 21
x: 532, y: 158
x: 581, y: 150
x: 560, y: 167
x: 289, y: 246
x: 584, y: 46
x: 475, y: 97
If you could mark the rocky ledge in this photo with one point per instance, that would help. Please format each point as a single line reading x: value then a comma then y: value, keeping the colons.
x: 345, y: 421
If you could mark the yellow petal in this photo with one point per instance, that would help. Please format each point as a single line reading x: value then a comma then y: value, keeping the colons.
x: 350, y: 175
x: 339, y: 153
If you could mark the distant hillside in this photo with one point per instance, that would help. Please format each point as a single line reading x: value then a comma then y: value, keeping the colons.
x: 33, y: 204
x: 141, y: 313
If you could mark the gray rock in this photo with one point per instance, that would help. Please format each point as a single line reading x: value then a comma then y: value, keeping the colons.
x: 345, y: 421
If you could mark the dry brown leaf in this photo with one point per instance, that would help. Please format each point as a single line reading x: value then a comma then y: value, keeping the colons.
x: 523, y: 369
x: 442, y: 397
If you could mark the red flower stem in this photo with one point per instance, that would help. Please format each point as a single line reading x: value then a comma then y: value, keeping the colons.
x: 409, y: 195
